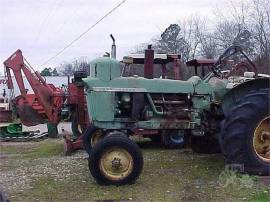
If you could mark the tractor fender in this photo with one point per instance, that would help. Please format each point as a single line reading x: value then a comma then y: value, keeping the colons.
x: 235, y: 94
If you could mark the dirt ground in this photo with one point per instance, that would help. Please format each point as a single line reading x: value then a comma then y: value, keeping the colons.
x: 38, y: 171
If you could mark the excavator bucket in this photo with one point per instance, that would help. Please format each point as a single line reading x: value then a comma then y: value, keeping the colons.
x: 29, y: 116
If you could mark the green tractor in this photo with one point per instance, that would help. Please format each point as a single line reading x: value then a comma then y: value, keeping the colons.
x: 223, y: 112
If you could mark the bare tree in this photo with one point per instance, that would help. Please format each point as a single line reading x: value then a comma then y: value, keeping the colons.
x: 252, y: 16
x: 68, y: 68
x: 260, y: 20
x: 243, y: 22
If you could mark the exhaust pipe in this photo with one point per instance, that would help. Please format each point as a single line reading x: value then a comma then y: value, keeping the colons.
x: 149, y: 63
x: 113, y: 51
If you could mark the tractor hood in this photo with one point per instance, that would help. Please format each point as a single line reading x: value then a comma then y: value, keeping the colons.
x: 140, y: 84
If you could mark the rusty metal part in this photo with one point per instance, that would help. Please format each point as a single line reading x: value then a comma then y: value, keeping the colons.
x: 5, y: 116
x: 71, y: 145
x: 77, y: 101
x: 202, y: 63
x: 30, y: 113
x: 139, y: 131
x: 48, y: 99
x: 240, y: 68
x: 149, y: 63
x: 261, y: 140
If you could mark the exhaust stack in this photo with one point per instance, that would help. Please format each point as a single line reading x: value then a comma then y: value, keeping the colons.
x: 149, y: 63
x: 113, y: 51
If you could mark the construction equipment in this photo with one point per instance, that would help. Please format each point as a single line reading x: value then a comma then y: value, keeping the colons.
x: 122, y: 106
x: 48, y: 104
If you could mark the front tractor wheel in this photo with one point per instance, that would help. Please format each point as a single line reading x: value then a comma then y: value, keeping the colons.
x: 115, y: 160
x: 245, y: 136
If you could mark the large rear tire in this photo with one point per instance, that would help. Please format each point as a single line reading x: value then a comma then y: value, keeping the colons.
x: 115, y: 160
x: 245, y: 135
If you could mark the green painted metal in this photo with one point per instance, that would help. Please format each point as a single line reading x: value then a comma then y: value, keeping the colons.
x: 110, y: 99
x: 105, y: 68
x: 101, y: 101
x: 12, y: 130
x: 105, y: 85
x: 52, y: 130
x: 139, y: 84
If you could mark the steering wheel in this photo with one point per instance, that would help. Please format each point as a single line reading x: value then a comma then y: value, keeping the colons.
x: 232, y: 50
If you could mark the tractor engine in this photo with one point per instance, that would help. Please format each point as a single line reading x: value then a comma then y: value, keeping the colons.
x: 136, y: 107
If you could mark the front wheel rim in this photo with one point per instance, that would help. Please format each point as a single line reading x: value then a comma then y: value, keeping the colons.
x: 116, y: 163
x: 261, y: 140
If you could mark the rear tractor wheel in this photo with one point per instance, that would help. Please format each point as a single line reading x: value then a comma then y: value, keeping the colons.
x: 115, y: 160
x: 245, y: 137
x: 173, y: 139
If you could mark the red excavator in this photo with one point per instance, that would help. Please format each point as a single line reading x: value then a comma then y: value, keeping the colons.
x: 48, y: 103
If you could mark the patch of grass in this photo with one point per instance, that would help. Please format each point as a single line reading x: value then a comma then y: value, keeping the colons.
x: 230, y: 178
x: 8, y: 149
x: 45, y: 148
x: 261, y: 196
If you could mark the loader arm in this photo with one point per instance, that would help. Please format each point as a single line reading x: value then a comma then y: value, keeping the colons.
x: 44, y: 104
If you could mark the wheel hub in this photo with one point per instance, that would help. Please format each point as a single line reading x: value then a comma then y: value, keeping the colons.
x: 261, y: 140
x: 116, y: 163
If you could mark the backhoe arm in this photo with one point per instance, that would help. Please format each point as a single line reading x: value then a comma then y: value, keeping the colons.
x: 47, y: 100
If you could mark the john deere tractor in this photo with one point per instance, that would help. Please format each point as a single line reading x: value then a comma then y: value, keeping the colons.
x: 227, y: 111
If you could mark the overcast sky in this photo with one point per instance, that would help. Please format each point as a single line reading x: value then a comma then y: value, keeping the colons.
x: 40, y: 28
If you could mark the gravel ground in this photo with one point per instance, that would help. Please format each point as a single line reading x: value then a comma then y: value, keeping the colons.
x: 38, y: 171
x: 59, y: 168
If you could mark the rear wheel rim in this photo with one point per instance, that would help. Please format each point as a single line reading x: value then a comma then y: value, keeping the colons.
x: 177, y: 139
x: 116, y: 163
x: 261, y: 140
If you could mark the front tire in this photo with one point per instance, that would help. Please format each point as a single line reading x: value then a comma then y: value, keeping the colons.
x: 245, y: 136
x: 115, y: 160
